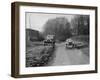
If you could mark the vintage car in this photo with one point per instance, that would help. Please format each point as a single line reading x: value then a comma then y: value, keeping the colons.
x: 74, y: 44
x: 79, y: 45
x: 69, y: 43
x: 50, y: 40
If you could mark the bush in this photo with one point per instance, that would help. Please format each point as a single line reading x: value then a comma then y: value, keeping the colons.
x: 39, y: 56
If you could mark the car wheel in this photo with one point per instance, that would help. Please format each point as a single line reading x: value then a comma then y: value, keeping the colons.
x: 72, y: 45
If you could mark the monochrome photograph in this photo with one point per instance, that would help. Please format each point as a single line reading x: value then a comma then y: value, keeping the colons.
x: 54, y: 39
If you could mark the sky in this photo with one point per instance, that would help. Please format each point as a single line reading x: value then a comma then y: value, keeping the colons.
x: 36, y: 21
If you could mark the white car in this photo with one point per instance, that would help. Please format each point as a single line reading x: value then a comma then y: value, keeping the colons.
x: 69, y: 43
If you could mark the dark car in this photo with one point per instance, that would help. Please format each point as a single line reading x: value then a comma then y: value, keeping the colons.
x: 79, y: 44
x: 49, y: 42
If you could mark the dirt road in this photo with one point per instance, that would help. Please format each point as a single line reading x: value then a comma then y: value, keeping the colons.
x: 64, y: 56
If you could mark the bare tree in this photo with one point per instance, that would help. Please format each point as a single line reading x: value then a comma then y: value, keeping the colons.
x: 80, y: 25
